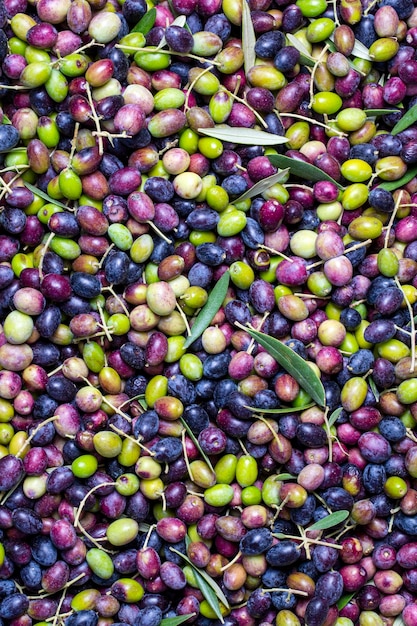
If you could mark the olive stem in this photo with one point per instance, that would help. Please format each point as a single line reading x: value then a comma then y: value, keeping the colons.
x: 323, y: 502
x: 358, y: 245
x: 148, y: 536
x: 74, y: 141
x: 122, y: 304
x: 103, y: 323
x: 13, y: 87
x: 123, y: 434
x: 159, y: 232
x: 411, y: 435
x: 319, y: 542
x: 14, y: 168
x: 194, y: 82
x: 114, y: 408
x: 329, y: 435
x: 103, y: 258
x: 44, y: 251
x: 181, y: 54
x: 252, y: 341
x: 57, y: 369
x: 339, y: 133
x: 84, y: 500
x: 35, y: 432
x: 243, y: 101
x: 268, y: 249
x: 412, y: 322
x: 184, y: 317
x: 187, y: 462
x: 243, y: 447
x: 95, y: 118
x: 296, y: 592
x: 232, y: 562
x: 274, y: 432
x: 313, y: 73
x: 391, y: 220
x: 11, y: 491
x: 370, y: 6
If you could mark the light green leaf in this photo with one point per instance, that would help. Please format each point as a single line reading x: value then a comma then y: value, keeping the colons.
x: 284, y: 477
x: 281, y: 411
x: 331, y: 520
x: 209, y: 310
x: 145, y: 23
x: 5, y: 119
x: 408, y: 119
x: 44, y: 195
x: 197, y: 445
x: 301, y: 169
x: 344, y: 600
x: 181, y: 20
x: 263, y: 185
x: 208, y: 594
x: 396, y: 184
x: 335, y: 416
x: 359, y: 50
x: 292, y: 363
x: 246, y: 136
x: 305, y: 56
x: 175, y: 621
x: 376, y: 112
x: 248, y: 37
x: 374, y: 388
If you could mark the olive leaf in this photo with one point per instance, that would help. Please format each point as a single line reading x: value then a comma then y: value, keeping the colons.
x: 248, y: 37
x: 175, y: 621
x: 292, y: 363
x: 5, y: 119
x: 373, y: 388
x: 281, y: 410
x: 195, y: 442
x: 344, y: 600
x: 391, y: 185
x: 301, y: 169
x: 247, y: 136
x: 305, y: 56
x: 331, y: 520
x: 284, y: 477
x: 359, y: 50
x: 145, y: 23
x: 213, y: 586
x: 209, y: 310
x: 209, y: 595
x: 407, y: 120
x: 376, y: 112
x: 263, y: 185
x: 333, y: 48
x: 334, y: 416
x: 44, y: 195
x: 398, y: 621
x: 181, y: 20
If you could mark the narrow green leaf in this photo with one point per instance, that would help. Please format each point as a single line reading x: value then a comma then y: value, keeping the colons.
x: 298, y: 44
x: 399, y: 621
x: 344, y: 600
x: 331, y: 520
x: 44, y: 195
x: 209, y: 595
x: 143, y: 403
x: 181, y: 20
x: 247, y: 136
x: 145, y: 23
x: 197, y: 445
x: 335, y: 416
x: 248, y: 37
x: 280, y: 535
x: 292, y: 363
x: 301, y: 169
x: 407, y: 120
x: 214, y: 586
x: 396, y: 184
x: 361, y: 51
x: 175, y: 621
x: 262, y: 185
x: 210, y: 309
x: 5, y: 119
x: 333, y: 48
x: 373, y: 388
x: 376, y: 112
x: 282, y: 410
x: 284, y: 477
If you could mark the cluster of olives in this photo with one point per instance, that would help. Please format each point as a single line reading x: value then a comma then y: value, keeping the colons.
x: 158, y: 465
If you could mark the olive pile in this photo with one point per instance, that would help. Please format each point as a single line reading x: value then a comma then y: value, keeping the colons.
x: 157, y: 464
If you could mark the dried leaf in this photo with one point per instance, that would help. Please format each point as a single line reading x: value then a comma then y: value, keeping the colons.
x: 261, y: 186
x: 292, y: 363
x: 396, y: 184
x: 344, y: 600
x: 301, y: 169
x: 282, y: 410
x: 247, y: 136
x: 334, y: 416
x: 407, y: 120
x: 197, y: 445
x: 145, y: 23
x: 331, y: 520
x: 44, y: 195
x: 175, y: 621
x: 209, y: 310
x: 248, y: 37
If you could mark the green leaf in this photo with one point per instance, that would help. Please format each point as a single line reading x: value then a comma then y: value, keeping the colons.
x: 407, y: 120
x: 301, y: 169
x: 174, y: 621
x: 375, y: 112
x: 282, y: 410
x: 262, y: 185
x: 305, y: 56
x: 333, y: 48
x: 292, y: 363
x: 396, y: 184
x: 344, y: 600
x: 246, y: 136
x: 373, y: 388
x: 361, y: 51
x: 208, y: 594
x: 197, y: 445
x: 44, y: 195
x: 284, y: 477
x: 145, y: 23
x: 334, y: 416
x: 399, y: 621
x: 331, y: 520
x: 209, y: 310
x: 5, y: 120
x: 248, y: 37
